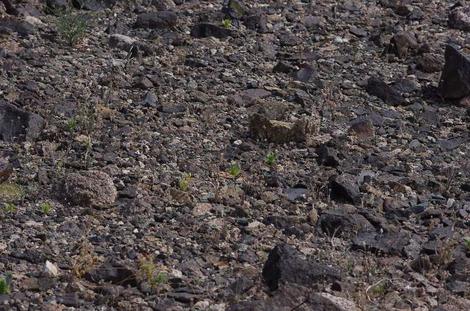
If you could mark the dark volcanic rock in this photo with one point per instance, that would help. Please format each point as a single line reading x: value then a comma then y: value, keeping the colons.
x: 15, y: 25
x: 17, y: 124
x: 344, y: 188
x: 429, y: 63
x: 459, y: 18
x: 114, y: 273
x: 377, y: 87
x: 155, y: 20
x: 455, y: 78
x: 93, y: 5
x: 391, y: 243
x: 327, y: 156
x: 285, y: 265
x: 339, y: 222
x: 204, y: 30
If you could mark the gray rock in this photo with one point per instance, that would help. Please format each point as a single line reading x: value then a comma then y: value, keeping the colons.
x: 17, y: 124
x: 115, y: 273
x: 87, y: 188
x: 205, y: 30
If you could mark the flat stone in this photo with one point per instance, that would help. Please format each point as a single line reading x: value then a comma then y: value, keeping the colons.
x: 455, y: 78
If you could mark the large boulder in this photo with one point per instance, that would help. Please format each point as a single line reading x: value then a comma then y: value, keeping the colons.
x: 88, y: 189
x: 455, y: 78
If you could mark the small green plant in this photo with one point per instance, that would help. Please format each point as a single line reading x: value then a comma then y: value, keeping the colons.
x: 271, y: 158
x: 71, y: 27
x: 46, y: 208
x: 9, y: 207
x: 227, y: 23
x: 148, y: 270
x: 234, y: 170
x: 4, y: 286
x: 466, y: 243
x: 72, y: 124
x: 184, y: 182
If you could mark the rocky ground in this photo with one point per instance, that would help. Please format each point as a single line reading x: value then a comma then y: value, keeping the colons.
x: 262, y: 155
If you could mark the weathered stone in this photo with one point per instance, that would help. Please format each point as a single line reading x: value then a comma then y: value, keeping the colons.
x: 455, y: 78
x: 459, y: 18
x: 279, y: 131
x: 285, y: 265
x: 339, y: 222
x: 391, y: 243
x: 87, y: 188
x: 344, y: 188
x: 377, y: 87
x: 205, y: 30
x: 114, y: 273
x: 155, y: 20
x: 17, y: 124
x: 403, y: 43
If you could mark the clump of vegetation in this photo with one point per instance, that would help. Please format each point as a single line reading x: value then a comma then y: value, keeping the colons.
x: 150, y: 274
x: 466, y: 243
x: 11, y: 192
x: 71, y: 27
x: 4, y: 286
x: 85, y: 260
x: 235, y: 170
x: 184, y: 182
x: 9, y: 207
x: 72, y: 124
x: 271, y: 158
x: 227, y: 23
x: 46, y: 208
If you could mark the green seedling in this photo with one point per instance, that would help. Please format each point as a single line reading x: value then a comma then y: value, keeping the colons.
x: 184, y: 182
x: 234, y: 170
x: 271, y: 158
x: 72, y: 125
x: 227, y: 23
x: 466, y: 242
x: 4, y: 286
x: 9, y: 207
x: 46, y: 208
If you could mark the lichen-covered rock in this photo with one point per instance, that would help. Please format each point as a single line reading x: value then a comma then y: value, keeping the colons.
x: 87, y: 188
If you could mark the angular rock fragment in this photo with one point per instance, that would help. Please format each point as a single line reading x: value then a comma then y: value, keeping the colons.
x: 93, y: 5
x: 155, y: 20
x: 344, y: 188
x: 285, y: 265
x: 391, y: 243
x: 17, y: 124
x: 205, y: 30
x: 377, y: 87
x: 114, y: 273
x: 280, y: 132
x: 455, y: 78
x: 459, y: 18
x: 338, y: 222
x: 87, y: 188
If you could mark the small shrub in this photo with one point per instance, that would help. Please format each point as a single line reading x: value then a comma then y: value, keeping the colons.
x: 46, y: 208
x: 72, y: 125
x: 271, y: 158
x: 227, y: 23
x: 184, y: 182
x: 234, y: 170
x: 148, y: 271
x: 71, y: 27
x: 466, y: 243
x: 9, y: 207
x: 4, y: 287
x: 11, y: 192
